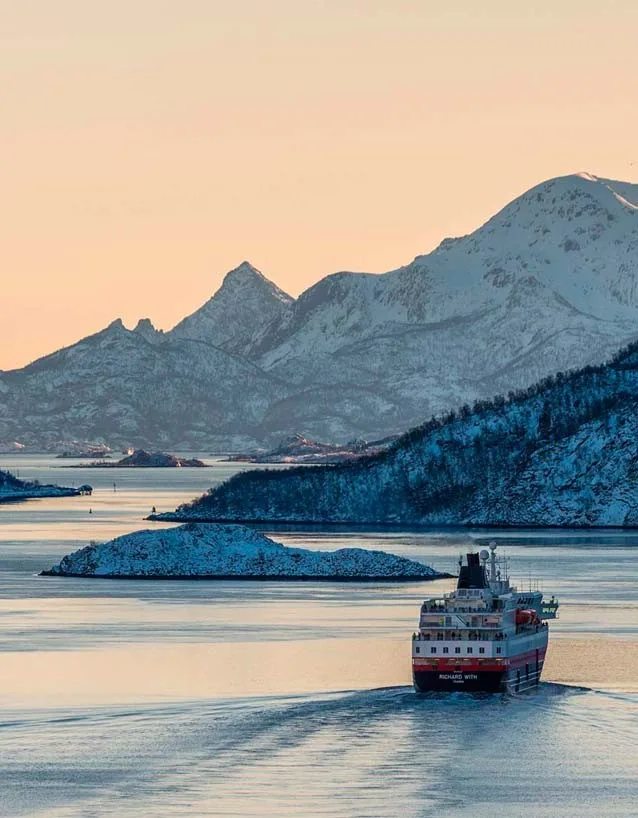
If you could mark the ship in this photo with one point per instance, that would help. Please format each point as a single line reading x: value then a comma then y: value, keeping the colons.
x: 485, y: 636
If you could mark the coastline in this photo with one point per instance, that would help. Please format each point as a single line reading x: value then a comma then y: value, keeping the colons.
x: 17, y: 496
x: 372, y: 525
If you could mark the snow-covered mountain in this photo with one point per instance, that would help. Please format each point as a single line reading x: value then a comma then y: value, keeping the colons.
x: 236, y: 317
x: 123, y: 386
x: 548, y: 284
x: 563, y: 452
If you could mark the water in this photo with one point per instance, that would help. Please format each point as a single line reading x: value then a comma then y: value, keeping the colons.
x: 249, y: 699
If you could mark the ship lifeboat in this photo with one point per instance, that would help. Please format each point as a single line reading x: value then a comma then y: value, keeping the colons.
x: 526, y: 617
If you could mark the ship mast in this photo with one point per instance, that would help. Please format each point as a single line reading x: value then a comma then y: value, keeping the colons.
x: 492, y: 561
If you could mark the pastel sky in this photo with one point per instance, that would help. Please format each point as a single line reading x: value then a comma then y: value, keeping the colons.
x: 148, y: 146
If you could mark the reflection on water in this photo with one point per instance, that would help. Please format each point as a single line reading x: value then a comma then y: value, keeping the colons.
x: 559, y: 752
x: 226, y: 699
x: 134, y: 673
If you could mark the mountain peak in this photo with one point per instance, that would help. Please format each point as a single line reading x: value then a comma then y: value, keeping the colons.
x: 143, y: 325
x: 245, y: 276
x: 241, y: 309
x: 116, y: 324
x: 145, y: 328
x: 609, y: 193
x: 244, y: 268
x: 243, y: 273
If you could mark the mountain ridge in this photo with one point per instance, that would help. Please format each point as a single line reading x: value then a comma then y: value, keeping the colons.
x: 548, y: 283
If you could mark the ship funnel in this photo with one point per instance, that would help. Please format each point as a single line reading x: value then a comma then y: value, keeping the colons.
x: 472, y: 574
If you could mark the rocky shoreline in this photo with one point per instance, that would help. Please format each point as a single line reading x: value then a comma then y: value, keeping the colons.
x: 12, y: 489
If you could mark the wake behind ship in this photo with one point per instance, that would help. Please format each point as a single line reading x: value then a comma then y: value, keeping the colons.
x: 485, y: 636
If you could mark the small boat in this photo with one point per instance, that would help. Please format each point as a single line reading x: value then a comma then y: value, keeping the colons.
x: 485, y: 636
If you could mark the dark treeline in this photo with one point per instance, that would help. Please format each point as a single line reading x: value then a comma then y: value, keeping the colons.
x: 9, y: 481
x: 443, y: 470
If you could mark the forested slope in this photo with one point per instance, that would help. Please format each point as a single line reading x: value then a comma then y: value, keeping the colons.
x: 563, y: 452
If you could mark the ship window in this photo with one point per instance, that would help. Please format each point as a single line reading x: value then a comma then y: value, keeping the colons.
x: 448, y: 620
x: 481, y: 650
x: 417, y: 650
x: 446, y: 650
x: 432, y: 650
x: 469, y: 650
x: 457, y: 650
x: 498, y: 650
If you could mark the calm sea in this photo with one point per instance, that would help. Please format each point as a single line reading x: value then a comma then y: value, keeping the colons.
x: 249, y: 699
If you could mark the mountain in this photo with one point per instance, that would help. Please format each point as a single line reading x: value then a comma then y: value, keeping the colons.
x: 239, y: 313
x: 561, y: 453
x: 548, y: 284
x: 118, y: 385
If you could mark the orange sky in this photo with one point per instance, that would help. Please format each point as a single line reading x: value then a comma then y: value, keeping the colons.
x: 150, y: 145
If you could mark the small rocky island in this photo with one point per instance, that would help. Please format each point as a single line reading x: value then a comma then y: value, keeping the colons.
x: 299, y: 449
x: 70, y: 454
x: 13, y: 489
x: 141, y: 459
x: 215, y: 551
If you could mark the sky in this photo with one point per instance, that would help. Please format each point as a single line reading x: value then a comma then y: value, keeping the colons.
x: 149, y: 146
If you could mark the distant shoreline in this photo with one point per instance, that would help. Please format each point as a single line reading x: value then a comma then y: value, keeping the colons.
x: 376, y: 525
x: 99, y: 465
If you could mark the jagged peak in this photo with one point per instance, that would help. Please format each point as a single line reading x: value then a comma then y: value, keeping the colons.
x: 245, y: 300
x: 146, y: 330
x: 246, y: 275
x: 245, y: 268
x: 144, y: 325
x: 116, y: 324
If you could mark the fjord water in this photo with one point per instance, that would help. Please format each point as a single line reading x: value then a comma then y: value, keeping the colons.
x: 265, y: 699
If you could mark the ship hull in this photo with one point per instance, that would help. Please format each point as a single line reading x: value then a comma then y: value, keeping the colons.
x: 515, y: 677
x: 486, y: 681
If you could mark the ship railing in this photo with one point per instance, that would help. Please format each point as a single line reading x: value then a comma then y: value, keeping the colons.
x: 475, y: 609
x: 461, y: 624
x: 472, y: 636
x: 549, y: 611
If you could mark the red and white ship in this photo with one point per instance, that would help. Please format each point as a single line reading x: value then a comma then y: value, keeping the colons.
x: 485, y: 636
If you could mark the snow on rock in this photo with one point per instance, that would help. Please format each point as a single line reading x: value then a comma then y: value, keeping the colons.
x: 12, y: 488
x: 226, y: 551
x: 548, y: 284
x: 246, y: 304
x: 561, y: 453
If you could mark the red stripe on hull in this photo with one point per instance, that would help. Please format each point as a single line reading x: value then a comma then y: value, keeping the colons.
x: 451, y: 667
